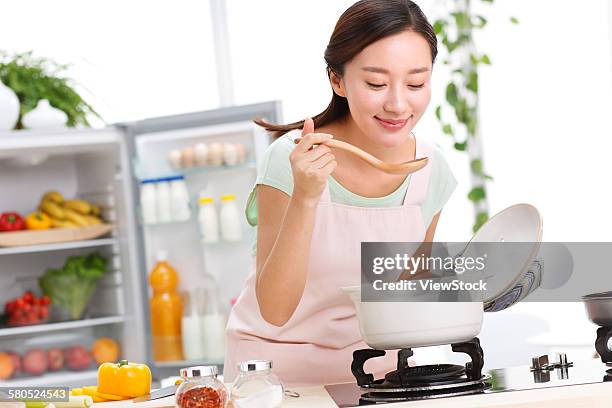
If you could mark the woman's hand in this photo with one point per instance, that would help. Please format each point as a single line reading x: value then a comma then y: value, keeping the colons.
x: 311, y: 165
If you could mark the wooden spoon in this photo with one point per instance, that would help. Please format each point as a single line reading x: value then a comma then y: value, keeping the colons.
x: 407, y: 167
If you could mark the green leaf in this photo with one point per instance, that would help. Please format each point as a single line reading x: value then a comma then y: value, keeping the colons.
x: 461, y: 146
x: 439, y: 25
x: 476, y: 166
x: 448, y: 129
x: 481, y: 218
x: 439, y: 112
x: 474, y: 59
x: 487, y: 177
x: 477, y: 194
x: 472, y: 81
x: 485, y: 59
x: 451, y: 94
x: 480, y: 21
x: 514, y: 20
x: 462, y: 20
x: 487, y: 1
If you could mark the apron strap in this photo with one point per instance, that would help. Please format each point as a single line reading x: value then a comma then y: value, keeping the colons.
x: 326, y: 196
x: 419, y: 181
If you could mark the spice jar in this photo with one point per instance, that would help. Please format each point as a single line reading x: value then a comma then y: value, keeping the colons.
x: 201, y: 388
x: 257, y: 386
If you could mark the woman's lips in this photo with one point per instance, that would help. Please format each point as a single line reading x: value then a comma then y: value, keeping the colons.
x: 391, y: 124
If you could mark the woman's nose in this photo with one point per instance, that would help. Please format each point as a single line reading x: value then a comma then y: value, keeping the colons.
x: 396, y: 103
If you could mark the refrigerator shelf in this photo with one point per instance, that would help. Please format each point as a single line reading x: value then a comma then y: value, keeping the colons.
x: 59, y: 379
x: 58, y: 246
x: 58, y: 326
x: 142, y: 175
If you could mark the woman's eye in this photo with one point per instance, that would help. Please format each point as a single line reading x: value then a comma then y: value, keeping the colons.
x: 375, y: 85
x: 417, y: 86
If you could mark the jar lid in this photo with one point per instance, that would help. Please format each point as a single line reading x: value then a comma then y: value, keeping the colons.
x: 205, y: 200
x: 199, y: 371
x: 255, y: 365
x: 228, y: 197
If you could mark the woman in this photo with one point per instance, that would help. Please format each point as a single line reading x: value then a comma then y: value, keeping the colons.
x: 314, y: 206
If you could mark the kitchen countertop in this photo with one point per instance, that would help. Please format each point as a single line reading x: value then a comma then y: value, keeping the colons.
x: 576, y: 396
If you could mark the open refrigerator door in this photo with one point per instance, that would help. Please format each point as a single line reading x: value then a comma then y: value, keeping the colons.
x: 193, y: 175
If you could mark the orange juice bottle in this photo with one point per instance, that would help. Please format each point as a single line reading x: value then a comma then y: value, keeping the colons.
x: 166, y: 311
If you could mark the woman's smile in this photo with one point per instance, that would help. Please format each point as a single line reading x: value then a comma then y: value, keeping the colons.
x: 392, y: 124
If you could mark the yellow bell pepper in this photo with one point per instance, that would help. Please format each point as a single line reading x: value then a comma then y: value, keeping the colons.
x: 124, y: 379
x: 38, y: 221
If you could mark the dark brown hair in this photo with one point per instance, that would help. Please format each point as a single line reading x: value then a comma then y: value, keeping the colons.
x: 362, y: 24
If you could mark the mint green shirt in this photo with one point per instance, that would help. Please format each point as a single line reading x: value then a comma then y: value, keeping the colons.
x: 274, y: 170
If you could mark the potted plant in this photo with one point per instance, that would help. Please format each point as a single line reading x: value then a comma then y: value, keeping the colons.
x: 34, y: 79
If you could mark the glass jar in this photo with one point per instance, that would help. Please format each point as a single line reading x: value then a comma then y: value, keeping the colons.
x: 257, y: 386
x: 201, y: 388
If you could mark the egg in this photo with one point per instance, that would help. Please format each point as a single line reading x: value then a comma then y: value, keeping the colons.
x: 230, y: 154
x: 201, y: 154
x: 241, y: 150
x: 174, y: 158
x: 215, y: 154
x: 187, y: 157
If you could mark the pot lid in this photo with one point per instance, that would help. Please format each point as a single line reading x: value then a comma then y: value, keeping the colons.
x: 512, y: 272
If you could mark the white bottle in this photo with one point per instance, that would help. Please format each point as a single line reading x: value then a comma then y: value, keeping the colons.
x: 191, y: 327
x: 207, y: 218
x: 180, y: 199
x: 231, y: 228
x: 213, y: 326
x: 164, y: 204
x: 148, y: 201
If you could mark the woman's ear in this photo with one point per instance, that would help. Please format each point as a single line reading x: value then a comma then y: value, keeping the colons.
x: 337, y: 84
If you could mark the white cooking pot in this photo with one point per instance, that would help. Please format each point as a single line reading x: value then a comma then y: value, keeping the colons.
x: 395, y: 325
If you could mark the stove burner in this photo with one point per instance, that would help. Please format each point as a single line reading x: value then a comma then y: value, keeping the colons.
x: 370, y: 398
x: 603, y: 344
x: 425, y: 374
x: 405, y: 375
x: 428, y: 381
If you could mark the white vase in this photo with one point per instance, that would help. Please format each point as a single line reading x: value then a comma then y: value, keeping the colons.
x: 44, y: 116
x: 9, y: 108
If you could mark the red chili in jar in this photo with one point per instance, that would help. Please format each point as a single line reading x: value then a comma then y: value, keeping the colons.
x: 200, y: 397
x: 201, y: 388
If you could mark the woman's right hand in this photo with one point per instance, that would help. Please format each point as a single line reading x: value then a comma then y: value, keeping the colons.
x: 311, y: 165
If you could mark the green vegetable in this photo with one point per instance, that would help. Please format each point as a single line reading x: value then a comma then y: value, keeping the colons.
x: 71, y: 286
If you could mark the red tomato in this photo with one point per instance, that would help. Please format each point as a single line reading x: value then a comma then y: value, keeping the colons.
x: 28, y: 297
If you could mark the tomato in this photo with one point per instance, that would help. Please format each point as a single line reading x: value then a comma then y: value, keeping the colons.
x: 47, y: 300
x: 28, y: 297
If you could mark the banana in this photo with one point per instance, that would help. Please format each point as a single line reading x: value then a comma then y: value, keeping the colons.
x: 62, y: 223
x: 53, y: 196
x: 80, y: 206
x: 93, y: 220
x: 75, y: 217
x: 53, y: 209
x: 95, y: 210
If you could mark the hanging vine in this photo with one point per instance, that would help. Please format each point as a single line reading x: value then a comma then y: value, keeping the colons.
x: 455, y: 32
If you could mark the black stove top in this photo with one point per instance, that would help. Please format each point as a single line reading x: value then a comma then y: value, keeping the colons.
x: 407, y: 383
x: 498, y: 380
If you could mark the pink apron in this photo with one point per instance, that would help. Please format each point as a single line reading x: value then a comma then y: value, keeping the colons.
x: 315, y: 346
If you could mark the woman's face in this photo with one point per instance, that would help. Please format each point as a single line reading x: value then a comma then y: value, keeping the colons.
x: 387, y: 86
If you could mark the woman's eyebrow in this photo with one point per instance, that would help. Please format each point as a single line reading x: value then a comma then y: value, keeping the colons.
x: 384, y: 71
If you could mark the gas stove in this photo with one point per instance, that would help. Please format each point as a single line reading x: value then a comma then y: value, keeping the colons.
x: 449, y: 380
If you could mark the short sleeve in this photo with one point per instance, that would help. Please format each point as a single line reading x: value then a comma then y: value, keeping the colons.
x: 442, y: 184
x: 274, y: 170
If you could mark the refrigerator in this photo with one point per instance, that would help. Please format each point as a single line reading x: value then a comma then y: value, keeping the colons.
x: 108, y: 166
